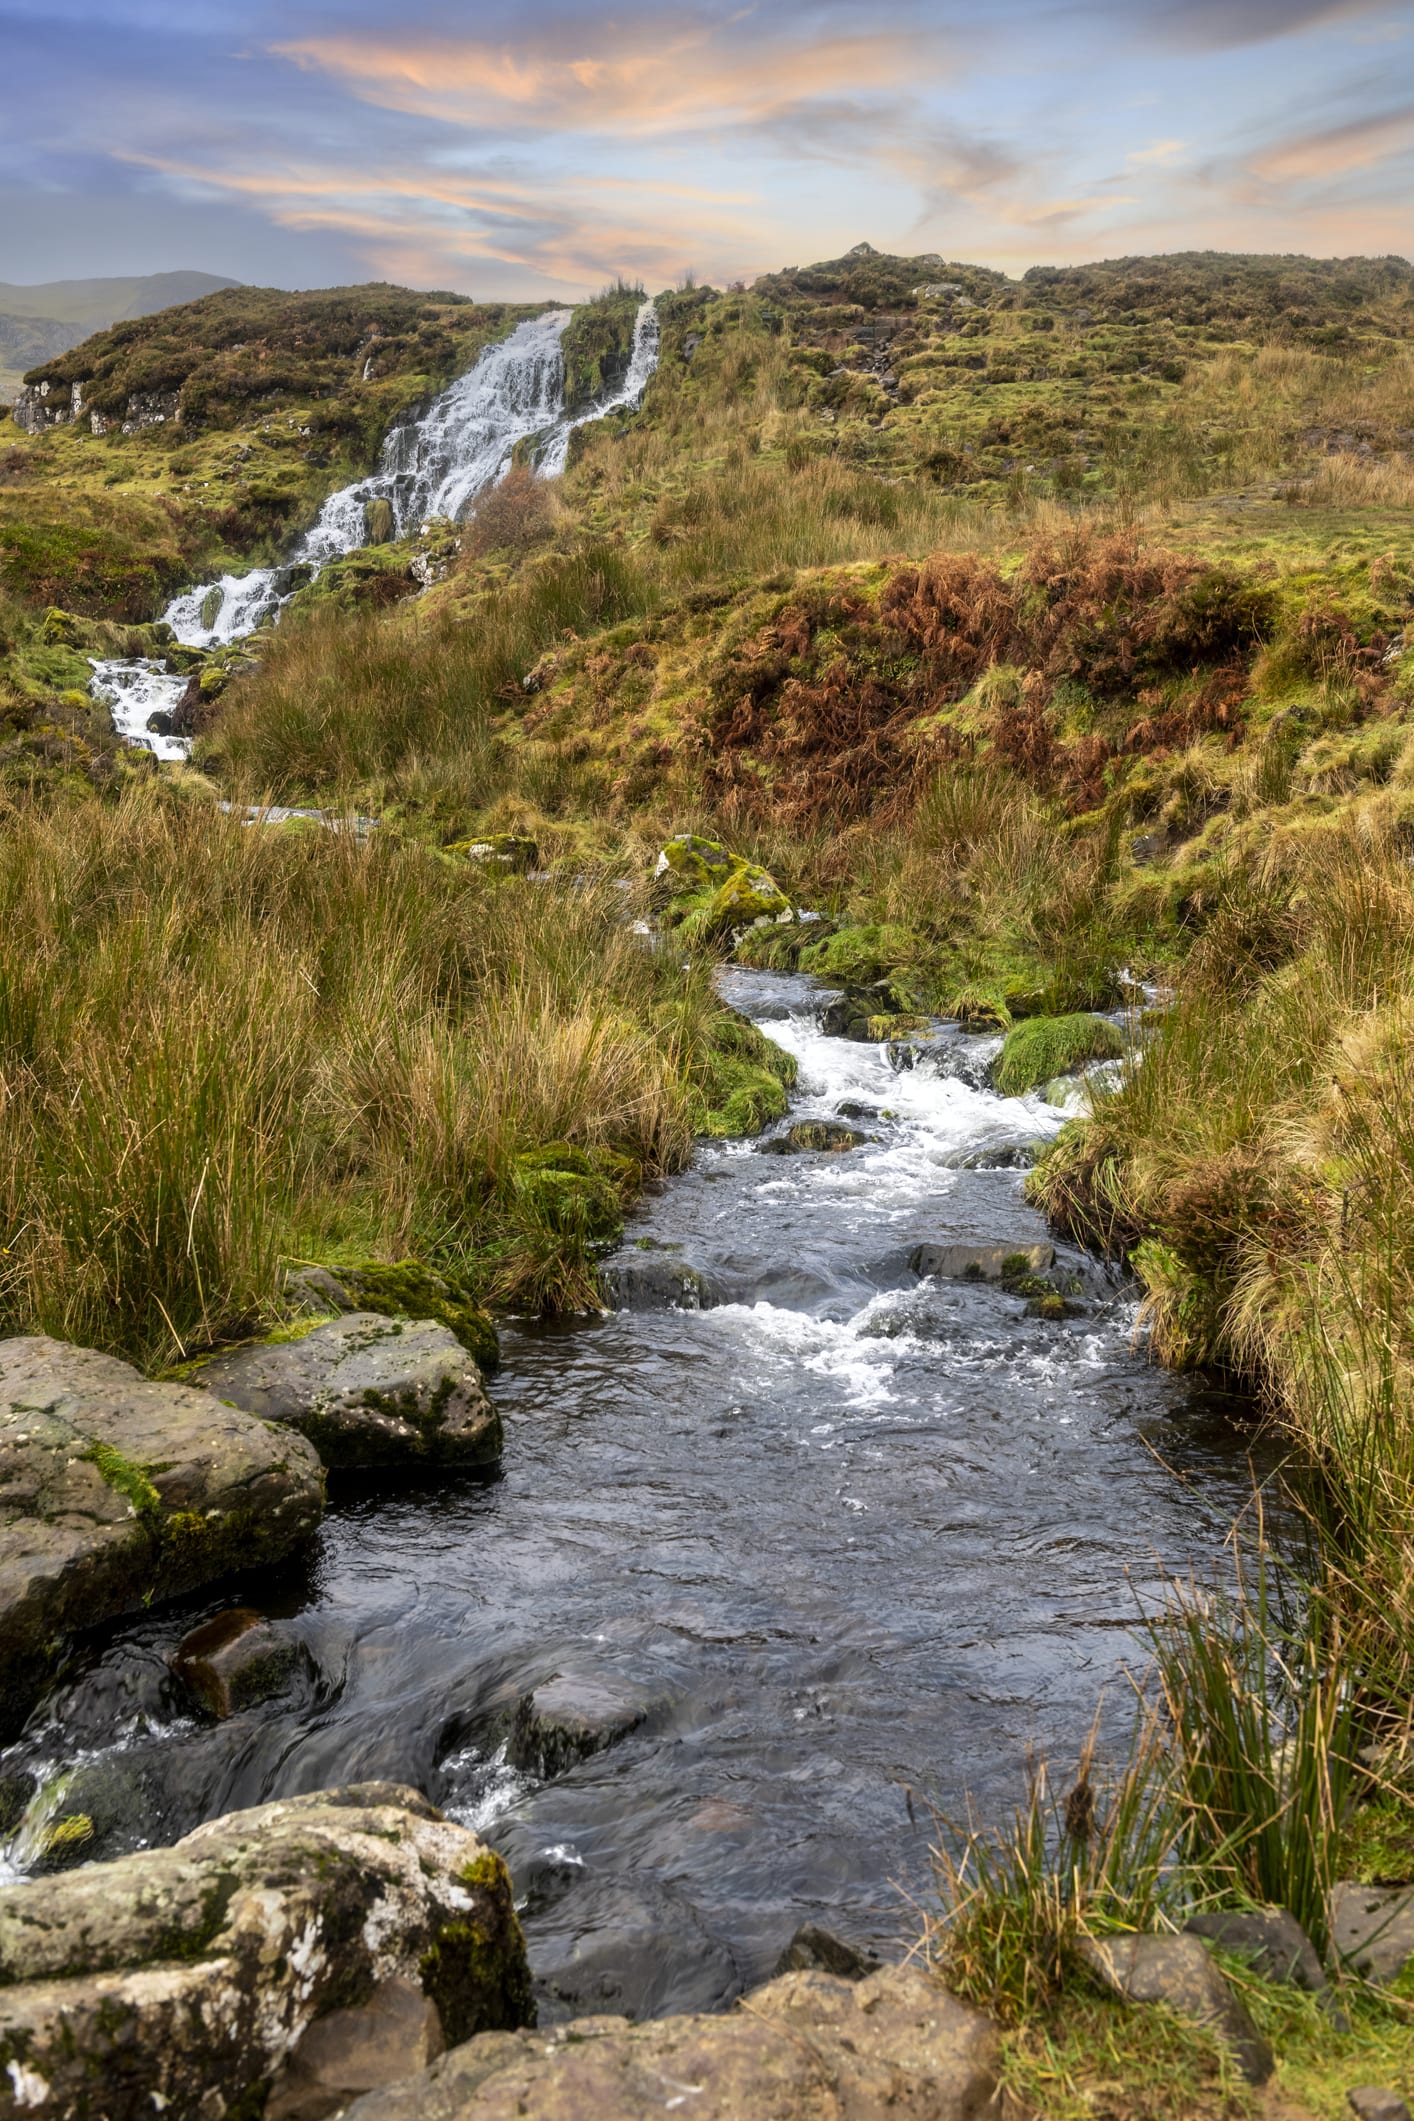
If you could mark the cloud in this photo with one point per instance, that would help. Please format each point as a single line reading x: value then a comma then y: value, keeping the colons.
x: 1160, y: 151
x: 658, y: 77
x: 1334, y: 150
x: 1221, y: 25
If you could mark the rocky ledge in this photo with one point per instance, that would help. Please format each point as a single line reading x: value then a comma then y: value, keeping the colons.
x: 807, y: 2047
x: 115, y: 1492
x: 278, y: 1962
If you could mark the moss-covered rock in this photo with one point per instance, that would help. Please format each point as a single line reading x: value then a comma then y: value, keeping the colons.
x: 566, y: 1190
x: 507, y: 850
x: 119, y: 1491
x: 712, y: 893
x: 1047, y: 1046
x: 742, y: 1082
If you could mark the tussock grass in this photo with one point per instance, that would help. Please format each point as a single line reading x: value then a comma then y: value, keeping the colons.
x: 221, y: 1045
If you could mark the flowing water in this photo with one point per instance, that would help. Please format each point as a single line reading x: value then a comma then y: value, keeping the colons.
x: 434, y: 465
x: 844, y: 1532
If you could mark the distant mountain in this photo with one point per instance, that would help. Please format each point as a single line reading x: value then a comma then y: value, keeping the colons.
x: 38, y: 322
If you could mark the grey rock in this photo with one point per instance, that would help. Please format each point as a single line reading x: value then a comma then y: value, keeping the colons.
x: 315, y: 1290
x: 654, y: 1282
x: 367, y: 1391
x: 568, y: 1717
x: 1179, y: 1972
x: 979, y: 1262
x: 115, y: 1491
x: 992, y: 1156
x: 1372, y: 1929
x: 237, y: 1659
x: 321, y: 1947
x: 816, y: 1950
x: 1375, y: 2102
x: 1271, y: 1938
x: 804, y: 2048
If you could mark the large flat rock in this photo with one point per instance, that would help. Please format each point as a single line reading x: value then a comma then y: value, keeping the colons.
x: 806, y: 2047
x: 320, y: 1947
x: 115, y: 1491
x: 367, y: 1391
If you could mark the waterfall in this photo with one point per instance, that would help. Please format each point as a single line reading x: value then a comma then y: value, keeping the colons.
x: 434, y: 465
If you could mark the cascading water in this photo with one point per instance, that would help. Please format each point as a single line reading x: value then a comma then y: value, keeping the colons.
x: 432, y: 466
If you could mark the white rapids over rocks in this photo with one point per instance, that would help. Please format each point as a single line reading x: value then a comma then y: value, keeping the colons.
x: 435, y: 465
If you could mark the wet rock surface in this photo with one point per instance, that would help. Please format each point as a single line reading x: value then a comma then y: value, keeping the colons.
x: 237, y: 1659
x: 807, y: 2047
x: 568, y: 1717
x: 981, y: 1262
x: 367, y: 1391
x: 318, y: 1947
x: 816, y: 1950
x: 115, y: 1491
x: 1179, y: 1972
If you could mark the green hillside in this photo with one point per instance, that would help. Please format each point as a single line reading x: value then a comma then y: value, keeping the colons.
x: 46, y: 318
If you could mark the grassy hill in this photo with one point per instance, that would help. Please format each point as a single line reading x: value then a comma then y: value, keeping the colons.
x: 46, y: 318
x: 1044, y: 634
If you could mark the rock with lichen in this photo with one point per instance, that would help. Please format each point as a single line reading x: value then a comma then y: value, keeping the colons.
x: 115, y: 1491
x: 366, y: 1390
x: 279, y: 1961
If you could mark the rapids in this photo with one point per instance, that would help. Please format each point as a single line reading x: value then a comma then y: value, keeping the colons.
x: 850, y: 1534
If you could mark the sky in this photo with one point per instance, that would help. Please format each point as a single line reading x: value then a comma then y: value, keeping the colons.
x: 530, y: 148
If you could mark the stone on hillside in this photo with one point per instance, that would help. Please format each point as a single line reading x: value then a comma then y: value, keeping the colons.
x: 816, y: 1950
x: 1271, y: 1938
x: 691, y: 864
x: 319, y: 1947
x: 1178, y: 1971
x: 367, y: 1391
x: 980, y: 1262
x: 237, y: 1659
x: 1375, y: 2102
x: 570, y: 1716
x: 115, y: 1491
x: 1372, y: 1929
x: 748, y: 895
x: 807, y: 2047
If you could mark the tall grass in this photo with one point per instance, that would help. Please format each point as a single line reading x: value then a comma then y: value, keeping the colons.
x: 221, y: 1045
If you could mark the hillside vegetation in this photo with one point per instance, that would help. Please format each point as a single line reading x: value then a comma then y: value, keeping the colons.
x: 1051, y: 637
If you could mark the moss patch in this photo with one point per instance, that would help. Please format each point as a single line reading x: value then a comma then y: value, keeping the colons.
x: 1046, y: 1046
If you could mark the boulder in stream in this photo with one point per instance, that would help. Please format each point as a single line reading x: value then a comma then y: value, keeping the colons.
x: 115, y: 1491
x: 981, y: 1262
x: 806, y: 2047
x: 279, y: 1961
x: 237, y: 1659
x: 569, y: 1716
x: 367, y: 1391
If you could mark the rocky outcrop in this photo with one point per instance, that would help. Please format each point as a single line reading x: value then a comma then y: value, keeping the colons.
x: 367, y: 1391
x: 720, y: 892
x: 43, y: 405
x: 115, y: 1491
x: 280, y: 1961
x: 807, y: 2047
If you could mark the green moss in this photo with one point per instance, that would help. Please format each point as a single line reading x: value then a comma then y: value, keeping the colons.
x: 860, y: 955
x: 1047, y: 1046
x: 128, y: 1480
x: 1377, y: 1847
x: 408, y: 1288
x: 475, y: 1971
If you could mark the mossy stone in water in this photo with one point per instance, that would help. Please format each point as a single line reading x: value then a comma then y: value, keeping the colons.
x: 1047, y: 1046
x: 211, y: 604
x: 379, y: 525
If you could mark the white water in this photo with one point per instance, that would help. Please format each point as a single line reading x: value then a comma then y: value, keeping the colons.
x: 433, y: 466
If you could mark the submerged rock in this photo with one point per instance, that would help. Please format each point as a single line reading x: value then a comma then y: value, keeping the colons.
x: 236, y: 1659
x: 807, y: 2047
x: 981, y: 1262
x: 570, y: 1716
x: 367, y: 1391
x: 648, y: 1282
x: 279, y: 1961
x: 115, y: 1491
x: 1179, y: 1971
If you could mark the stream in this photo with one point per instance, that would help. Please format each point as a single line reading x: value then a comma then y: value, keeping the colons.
x: 845, y: 1532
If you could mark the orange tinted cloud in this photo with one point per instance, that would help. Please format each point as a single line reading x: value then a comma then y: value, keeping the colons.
x: 666, y: 78
x: 1340, y: 148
